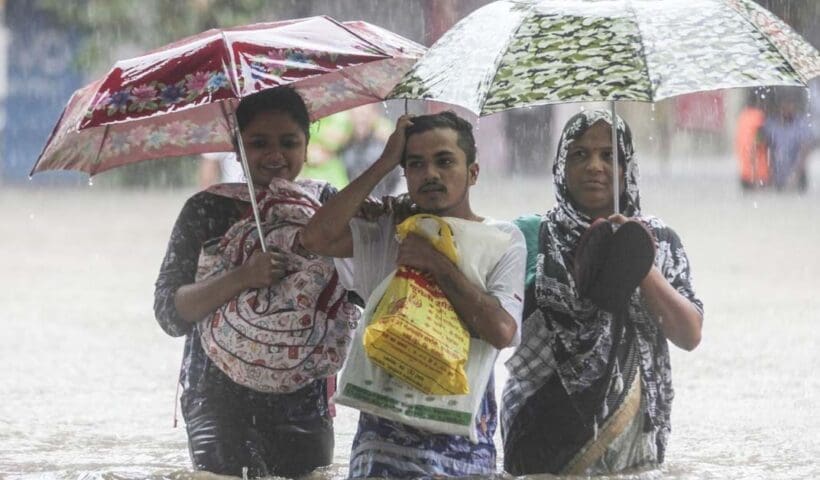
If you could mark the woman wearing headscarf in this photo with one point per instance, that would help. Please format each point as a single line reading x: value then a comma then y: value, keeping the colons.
x: 590, y: 391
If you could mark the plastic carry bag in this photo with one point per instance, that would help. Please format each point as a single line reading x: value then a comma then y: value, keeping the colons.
x: 416, y: 334
x: 366, y: 386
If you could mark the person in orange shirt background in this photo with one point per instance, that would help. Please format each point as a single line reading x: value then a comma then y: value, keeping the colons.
x: 751, y: 150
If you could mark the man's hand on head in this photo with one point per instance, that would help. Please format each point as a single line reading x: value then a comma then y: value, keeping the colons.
x: 394, y: 149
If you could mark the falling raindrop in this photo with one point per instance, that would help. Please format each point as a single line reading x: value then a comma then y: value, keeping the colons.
x: 90, y: 181
x: 653, y: 109
x: 754, y: 204
x: 31, y: 216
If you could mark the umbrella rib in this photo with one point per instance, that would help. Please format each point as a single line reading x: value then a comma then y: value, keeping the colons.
x: 246, y: 170
x: 769, y: 40
x: 500, y: 55
x: 228, y: 118
x: 54, y: 132
x: 234, y: 78
x: 350, y: 30
x: 364, y: 88
x: 99, y: 151
x: 643, y: 50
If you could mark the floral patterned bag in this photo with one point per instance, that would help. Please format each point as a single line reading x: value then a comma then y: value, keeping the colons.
x: 277, y: 339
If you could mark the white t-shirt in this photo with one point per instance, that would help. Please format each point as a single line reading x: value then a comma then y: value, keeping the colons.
x: 375, y: 250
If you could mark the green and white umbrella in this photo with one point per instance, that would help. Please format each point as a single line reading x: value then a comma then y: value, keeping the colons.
x: 520, y: 53
x: 516, y: 53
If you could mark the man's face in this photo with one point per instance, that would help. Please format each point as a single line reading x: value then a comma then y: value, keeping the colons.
x: 437, y: 174
x: 589, y: 171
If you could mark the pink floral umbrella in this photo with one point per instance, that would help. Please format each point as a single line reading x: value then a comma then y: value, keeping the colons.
x: 179, y: 99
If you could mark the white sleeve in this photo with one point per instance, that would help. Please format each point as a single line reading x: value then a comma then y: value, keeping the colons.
x: 344, y: 267
x: 506, y: 280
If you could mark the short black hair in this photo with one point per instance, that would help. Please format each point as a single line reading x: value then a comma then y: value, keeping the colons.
x: 280, y: 99
x: 447, y: 119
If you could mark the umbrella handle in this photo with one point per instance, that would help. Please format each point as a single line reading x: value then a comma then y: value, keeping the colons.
x: 616, y: 192
x: 248, y: 179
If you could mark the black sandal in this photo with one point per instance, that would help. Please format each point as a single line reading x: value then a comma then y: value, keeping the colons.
x: 625, y: 259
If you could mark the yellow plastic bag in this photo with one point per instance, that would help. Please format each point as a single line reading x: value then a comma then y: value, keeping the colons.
x: 416, y: 334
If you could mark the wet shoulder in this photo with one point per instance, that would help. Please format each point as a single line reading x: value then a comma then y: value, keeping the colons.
x: 319, y: 189
x: 516, y: 238
x: 208, y: 200
x: 529, y: 225
x: 503, y: 225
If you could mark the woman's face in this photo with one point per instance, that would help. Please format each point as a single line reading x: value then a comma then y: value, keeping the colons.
x: 275, y: 146
x: 589, y: 171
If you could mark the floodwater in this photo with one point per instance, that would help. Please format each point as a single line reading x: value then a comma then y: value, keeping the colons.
x: 87, y: 378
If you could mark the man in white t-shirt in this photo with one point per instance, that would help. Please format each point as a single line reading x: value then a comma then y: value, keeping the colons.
x: 437, y: 153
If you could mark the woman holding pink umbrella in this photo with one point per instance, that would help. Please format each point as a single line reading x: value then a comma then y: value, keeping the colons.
x: 231, y: 427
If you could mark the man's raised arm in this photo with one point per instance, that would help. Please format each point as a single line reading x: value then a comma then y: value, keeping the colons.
x: 328, y: 232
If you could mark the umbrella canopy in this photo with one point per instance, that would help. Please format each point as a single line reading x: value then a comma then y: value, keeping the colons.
x: 178, y: 100
x: 515, y: 53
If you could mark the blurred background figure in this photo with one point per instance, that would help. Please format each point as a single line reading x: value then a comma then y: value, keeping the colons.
x: 750, y: 149
x: 788, y: 135
x: 527, y: 132
x: 220, y: 167
x: 701, y: 117
x: 327, y: 136
x: 343, y: 145
x: 814, y: 107
x: 368, y: 134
